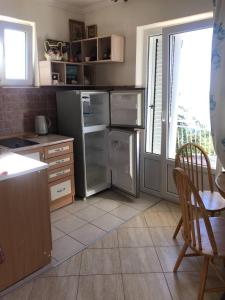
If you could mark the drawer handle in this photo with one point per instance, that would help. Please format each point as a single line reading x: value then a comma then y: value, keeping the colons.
x: 62, y: 190
x: 2, y: 256
x: 62, y: 172
x: 60, y: 161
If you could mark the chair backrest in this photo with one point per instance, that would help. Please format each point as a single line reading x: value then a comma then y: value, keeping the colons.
x: 193, y: 160
x: 194, y: 214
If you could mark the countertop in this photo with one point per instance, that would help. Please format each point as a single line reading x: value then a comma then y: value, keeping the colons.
x: 13, y: 165
x: 44, y: 140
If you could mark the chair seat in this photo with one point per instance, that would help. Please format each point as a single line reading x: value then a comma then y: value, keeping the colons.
x: 213, y: 201
x: 218, y: 228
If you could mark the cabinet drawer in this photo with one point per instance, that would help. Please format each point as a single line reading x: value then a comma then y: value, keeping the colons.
x: 61, y: 188
x: 60, y: 161
x: 58, y: 149
x: 59, y: 173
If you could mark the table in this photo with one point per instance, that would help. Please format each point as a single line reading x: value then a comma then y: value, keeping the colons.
x: 220, y: 183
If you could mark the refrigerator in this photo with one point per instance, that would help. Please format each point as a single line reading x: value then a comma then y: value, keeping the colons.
x: 106, y: 131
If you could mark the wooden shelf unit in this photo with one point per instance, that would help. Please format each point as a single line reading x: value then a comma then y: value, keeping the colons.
x: 97, y: 48
x: 69, y: 73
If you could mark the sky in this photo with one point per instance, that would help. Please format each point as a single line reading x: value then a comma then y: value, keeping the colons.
x: 193, y: 66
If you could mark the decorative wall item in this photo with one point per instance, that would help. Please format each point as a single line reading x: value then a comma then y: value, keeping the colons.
x: 92, y: 31
x: 56, y: 50
x: 77, y: 30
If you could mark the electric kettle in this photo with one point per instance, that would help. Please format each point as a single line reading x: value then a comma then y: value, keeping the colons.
x: 41, y: 125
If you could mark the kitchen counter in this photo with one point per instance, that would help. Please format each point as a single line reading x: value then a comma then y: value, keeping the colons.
x: 13, y: 165
x: 44, y: 140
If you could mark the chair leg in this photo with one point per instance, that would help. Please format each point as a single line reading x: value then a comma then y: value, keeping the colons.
x: 203, y: 278
x: 180, y: 257
x: 178, y: 228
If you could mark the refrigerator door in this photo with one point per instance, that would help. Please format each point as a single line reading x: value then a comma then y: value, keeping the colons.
x: 124, y: 160
x: 127, y: 108
x: 97, y: 170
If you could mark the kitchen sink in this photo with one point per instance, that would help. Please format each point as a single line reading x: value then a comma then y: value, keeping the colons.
x: 14, y: 143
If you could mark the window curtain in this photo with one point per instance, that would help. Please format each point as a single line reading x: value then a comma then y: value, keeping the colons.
x: 217, y: 89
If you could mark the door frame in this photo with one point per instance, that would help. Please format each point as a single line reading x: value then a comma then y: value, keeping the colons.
x: 143, y: 33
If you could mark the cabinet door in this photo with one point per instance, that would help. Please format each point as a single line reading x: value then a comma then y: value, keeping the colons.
x: 127, y: 108
x: 123, y: 160
x: 25, y: 233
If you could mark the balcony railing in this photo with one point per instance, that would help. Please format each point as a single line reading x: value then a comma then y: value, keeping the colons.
x: 200, y: 136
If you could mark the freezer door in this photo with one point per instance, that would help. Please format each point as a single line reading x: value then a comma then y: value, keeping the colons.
x: 123, y: 160
x: 127, y: 108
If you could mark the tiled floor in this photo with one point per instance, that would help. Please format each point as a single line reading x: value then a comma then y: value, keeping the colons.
x: 132, y: 262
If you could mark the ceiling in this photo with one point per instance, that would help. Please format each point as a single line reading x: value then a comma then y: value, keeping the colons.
x: 82, y: 3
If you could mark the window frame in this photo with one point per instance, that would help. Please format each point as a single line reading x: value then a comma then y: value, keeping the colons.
x: 28, y: 29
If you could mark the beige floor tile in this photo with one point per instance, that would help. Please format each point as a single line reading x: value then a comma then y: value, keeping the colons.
x: 107, y: 204
x: 69, y: 223
x: 138, y: 221
x: 139, y: 260
x: 65, y: 247
x: 164, y: 205
x: 58, y: 215
x: 146, y: 287
x: 168, y: 257
x: 70, y: 267
x: 56, y: 233
x: 124, y: 212
x: 134, y: 237
x: 56, y: 288
x: 142, y: 203
x: 21, y: 293
x: 90, y: 213
x: 87, y: 234
x: 107, y: 222
x: 100, y: 261
x: 185, y: 285
x: 100, y: 287
x: 76, y: 206
x: 162, y: 236
x: 158, y: 219
x: 110, y: 240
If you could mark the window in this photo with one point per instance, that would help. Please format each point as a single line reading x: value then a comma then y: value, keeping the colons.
x: 189, y: 84
x: 16, y: 55
x: 154, y: 127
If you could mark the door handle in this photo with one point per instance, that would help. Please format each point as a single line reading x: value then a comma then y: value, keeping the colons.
x: 2, y: 256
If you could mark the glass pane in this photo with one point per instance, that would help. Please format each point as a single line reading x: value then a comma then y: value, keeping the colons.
x: 15, y: 54
x: 154, y: 125
x: 189, y: 115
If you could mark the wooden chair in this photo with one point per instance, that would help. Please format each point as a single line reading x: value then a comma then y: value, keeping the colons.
x: 194, y: 161
x: 203, y: 234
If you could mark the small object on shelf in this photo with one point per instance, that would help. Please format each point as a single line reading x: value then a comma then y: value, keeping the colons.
x: 56, y: 50
x: 107, y: 54
x: 87, y: 58
x: 55, y: 78
x: 92, y: 31
x: 71, y: 74
x: 77, y: 30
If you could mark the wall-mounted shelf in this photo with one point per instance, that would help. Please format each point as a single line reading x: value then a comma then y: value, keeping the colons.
x: 84, y: 53
x: 67, y: 73
x: 103, y: 49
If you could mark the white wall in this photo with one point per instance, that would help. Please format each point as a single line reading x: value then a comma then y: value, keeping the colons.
x: 123, y: 18
x: 51, y: 21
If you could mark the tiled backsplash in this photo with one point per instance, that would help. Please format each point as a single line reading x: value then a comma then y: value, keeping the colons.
x: 19, y: 106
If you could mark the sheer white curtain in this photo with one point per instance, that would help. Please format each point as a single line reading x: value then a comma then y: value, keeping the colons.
x: 217, y: 91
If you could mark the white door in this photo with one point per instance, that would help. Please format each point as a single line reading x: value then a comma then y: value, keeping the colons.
x: 127, y: 108
x: 123, y: 160
x: 178, y: 102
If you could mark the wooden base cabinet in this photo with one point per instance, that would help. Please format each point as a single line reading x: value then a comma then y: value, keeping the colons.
x: 60, y: 172
x: 25, y: 232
